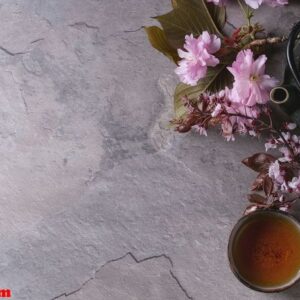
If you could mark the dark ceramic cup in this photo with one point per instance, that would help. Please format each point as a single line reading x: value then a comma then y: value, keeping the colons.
x: 247, y: 220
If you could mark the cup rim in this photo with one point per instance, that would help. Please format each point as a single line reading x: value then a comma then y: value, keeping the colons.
x: 230, y: 256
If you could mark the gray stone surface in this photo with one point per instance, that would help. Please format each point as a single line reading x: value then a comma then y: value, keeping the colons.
x: 98, y: 199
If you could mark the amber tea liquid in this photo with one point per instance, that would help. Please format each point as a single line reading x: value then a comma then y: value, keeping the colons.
x: 266, y: 250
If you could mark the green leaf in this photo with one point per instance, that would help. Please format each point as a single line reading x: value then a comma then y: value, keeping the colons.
x: 189, y: 17
x: 216, y: 79
x: 159, y: 41
x: 218, y: 14
x: 179, y: 108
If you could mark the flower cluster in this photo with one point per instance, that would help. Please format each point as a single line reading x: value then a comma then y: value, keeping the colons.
x: 279, y: 181
x: 238, y: 109
x: 285, y: 171
x: 224, y: 84
x: 251, y: 84
x: 254, y: 3
x: 235, y: 117
x: 217, y: 109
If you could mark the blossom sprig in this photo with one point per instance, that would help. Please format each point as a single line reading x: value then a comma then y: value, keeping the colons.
x: 210, y: 110
x: 278, y: 177
x: 205, y: 51
x: 224, y: 84
x: 244, y: 109
x: 285, y: 170
x: 238, y: 109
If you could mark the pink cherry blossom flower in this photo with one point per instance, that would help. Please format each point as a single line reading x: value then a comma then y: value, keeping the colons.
x: 270, y: 144
x: 284, y: 187
x: 295, y: 184
x: 201, y: 130
x: 276, y: 173
x: 256, y: 3
x: 291, y: 126
x: 288, y: 144
x: 284, y: 208
x: 217, y: 110
x: 197, y: 57
x: 218, y: 2
x: 251, y: 85
x: 295, y: 138
x: 286, y: 154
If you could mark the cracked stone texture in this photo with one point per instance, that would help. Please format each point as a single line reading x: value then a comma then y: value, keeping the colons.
x: 98, y: 199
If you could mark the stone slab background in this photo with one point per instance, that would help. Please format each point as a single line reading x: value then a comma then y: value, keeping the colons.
x: 98, y: 199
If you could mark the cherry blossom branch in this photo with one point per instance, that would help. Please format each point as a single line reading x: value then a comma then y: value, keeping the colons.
x: 269, y: 127
x: 266, y: 41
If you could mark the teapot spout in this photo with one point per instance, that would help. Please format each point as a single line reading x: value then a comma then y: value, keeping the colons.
x: 287, y: 97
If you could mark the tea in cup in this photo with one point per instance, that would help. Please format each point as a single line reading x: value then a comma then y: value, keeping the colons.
x: 264, y: 250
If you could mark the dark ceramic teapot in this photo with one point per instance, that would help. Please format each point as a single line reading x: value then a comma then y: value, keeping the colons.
x: 287, y: 95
